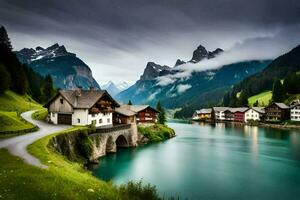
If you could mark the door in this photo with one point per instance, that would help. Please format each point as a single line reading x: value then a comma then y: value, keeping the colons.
x: 64, y: 119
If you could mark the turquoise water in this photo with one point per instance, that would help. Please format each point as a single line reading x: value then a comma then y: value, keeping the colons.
x: 213, y: 162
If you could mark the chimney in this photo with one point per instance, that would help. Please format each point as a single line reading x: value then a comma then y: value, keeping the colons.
x: 77, y: 95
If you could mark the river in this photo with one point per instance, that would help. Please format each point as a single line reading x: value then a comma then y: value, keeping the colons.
x: 213, y: 162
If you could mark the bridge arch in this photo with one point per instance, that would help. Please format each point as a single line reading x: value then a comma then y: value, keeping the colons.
x: 121, y: 141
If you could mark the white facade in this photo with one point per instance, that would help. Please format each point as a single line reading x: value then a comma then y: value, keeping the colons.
x: 295, y: 113
x: 220, y: 115
x: 81, y: 117
x: 251, y: 114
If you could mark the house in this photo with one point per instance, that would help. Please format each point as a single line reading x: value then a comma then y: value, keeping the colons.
x: 277, y: 112
x: 205, y: 114
x: 239, y: 114
x: 142, y: 113
x: 229, y: 114
x: 196, y: 115
x: 218, y: 113
x: 82, y: 107
x: 295, y: 111
x: 123, y: 115
x: 255, y: 114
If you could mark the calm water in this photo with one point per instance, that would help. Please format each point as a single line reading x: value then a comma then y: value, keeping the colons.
x: 214, y: 162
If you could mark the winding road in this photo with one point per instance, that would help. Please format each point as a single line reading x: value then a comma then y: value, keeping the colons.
x: 18, y: 145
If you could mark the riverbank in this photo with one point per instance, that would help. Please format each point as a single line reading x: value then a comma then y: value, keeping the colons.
x: 280, y: 125
x: 63, y: 179
x: 155, y: 133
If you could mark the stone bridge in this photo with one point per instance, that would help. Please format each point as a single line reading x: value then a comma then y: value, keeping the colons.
x: 107, y: 140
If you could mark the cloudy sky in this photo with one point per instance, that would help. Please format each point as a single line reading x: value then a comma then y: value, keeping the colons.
x: 116, y: 38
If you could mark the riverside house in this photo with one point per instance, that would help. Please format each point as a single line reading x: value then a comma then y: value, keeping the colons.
x: 82, y: 107
x: 295, y: 111
x: 142, y: 114
x: 277, y: 112
x: 218, y: 113
x: 204, y: 114
x: 255, y: 114
x: 239, y: 114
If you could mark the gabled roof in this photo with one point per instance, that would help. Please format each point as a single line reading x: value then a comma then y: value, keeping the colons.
x: 220, y: 108
x: 295, y: 104
x: 280, y: 105
x: 204, y: 111
x: 81, y: 99
x: 130, y: 110
x: 259, y: 109
x: 239, y: 109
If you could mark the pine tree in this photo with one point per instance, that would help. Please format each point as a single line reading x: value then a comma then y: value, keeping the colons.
x: 4, y: 39
x: 243, y: 99
x: 278, y: 91
x: 161, y: 118
x: 226, y: 99
x: 48, y: 90
x: 4, y: 79
x: 20, y: 82
x: 256, y: 103
x: 129, y: 102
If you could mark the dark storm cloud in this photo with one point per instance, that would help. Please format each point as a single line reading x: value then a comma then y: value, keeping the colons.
x: 122, y: 35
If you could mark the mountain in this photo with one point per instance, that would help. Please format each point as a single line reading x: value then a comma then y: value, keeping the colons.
x: 188, y: 92
x: 65, y: 68
x: 113, y: 89
x: 278, y: 69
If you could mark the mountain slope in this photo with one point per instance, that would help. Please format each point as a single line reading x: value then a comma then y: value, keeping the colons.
x: 278, y: 68
x: 66, y: 70
x: 114, y: 89
x: 190, y: 92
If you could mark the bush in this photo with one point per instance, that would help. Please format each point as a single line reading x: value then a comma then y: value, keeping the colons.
x: 157, y: 132
x: 137, y: 190
x: 84, y: 144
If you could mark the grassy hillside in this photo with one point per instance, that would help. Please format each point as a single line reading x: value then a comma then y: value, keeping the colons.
x: 11, y: 106
x: 62, y: 180
x: 262, y: 98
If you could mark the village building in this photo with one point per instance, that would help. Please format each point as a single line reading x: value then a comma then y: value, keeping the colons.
x: 239, y: 114
x: 82, y: 107
x: 141, y: 114
x: 218, y: 113
x: 229, y: 114
x: 295, y: 111
x: 277, y: 112
x: 205, y: 114
x: 196, y: 115
x: 255, y: 114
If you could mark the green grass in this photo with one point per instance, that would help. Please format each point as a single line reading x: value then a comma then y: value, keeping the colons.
x: 10, y: 101
x: 12, y: 125
x: 40, y: 114
x: 157, y: 132
x: 262, y: 98
x: 62, y: 180
x: 11, y: 106
x: 291, y: 98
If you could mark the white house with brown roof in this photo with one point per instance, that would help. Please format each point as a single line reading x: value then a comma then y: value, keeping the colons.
x: 295, y: 111
x: 82, y: 107
x: 254, y: 113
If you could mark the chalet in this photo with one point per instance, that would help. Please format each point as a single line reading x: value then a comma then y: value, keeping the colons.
x: 277, y: 112
x: 218, y: 113
x: 196, y: 115
x: 255, y: 114
x: 82, y: 107
x: 229, y: 114
x: 295, y: 111
x: 205, y: 114
x: 239, y: 114
x: 139, y: 113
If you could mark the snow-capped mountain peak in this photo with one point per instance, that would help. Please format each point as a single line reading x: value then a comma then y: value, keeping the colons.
x: 113, y: 89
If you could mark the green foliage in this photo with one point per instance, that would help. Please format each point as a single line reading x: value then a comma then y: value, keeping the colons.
x: 226, y: 99
x: 262, y: 99
x: 278, y: 91
x: 129, y: 102
x: 40, y: 114
x: 291, y: 83
x: 137, y: 190
x: 4, y: 79
x: 161, y: 118
x: 84, y: 144
x: 47, y: 89
x: 243, y: 99
x: 157, y: 132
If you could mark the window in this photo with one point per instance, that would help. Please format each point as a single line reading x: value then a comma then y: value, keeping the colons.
x: 62, y: 101
x: 53, y: 114
x: 78, y: 120
x: 108, y: 120
x: 100, y: 121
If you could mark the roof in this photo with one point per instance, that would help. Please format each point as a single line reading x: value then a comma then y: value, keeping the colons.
x: 130, y: 110
x: 239, y: 109
x: 280, y: 105
x: 295, y: 104
x: 204, y: 111
x: 82, y: 98
x: 220, y: 108
x: 259, y: 109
